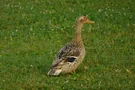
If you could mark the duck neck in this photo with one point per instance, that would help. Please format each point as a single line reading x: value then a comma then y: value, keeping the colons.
x: 77, y: 36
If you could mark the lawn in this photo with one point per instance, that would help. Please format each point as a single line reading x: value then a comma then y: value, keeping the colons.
x: 32, y: 32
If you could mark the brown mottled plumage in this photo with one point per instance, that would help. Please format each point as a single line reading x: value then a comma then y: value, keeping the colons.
x: 71, y: 55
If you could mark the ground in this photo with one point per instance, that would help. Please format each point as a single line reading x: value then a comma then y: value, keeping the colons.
x: 32, y: 32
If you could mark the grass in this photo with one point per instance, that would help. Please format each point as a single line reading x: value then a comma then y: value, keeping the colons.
x: 32, y: 32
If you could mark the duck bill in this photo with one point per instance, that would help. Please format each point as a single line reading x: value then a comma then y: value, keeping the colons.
x: 90, y: 21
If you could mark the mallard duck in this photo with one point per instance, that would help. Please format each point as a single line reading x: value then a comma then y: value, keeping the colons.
x: 70, y: 56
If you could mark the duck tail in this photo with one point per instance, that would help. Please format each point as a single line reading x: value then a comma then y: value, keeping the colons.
x: 54, y: 72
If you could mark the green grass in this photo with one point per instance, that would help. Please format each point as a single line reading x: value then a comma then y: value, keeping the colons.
x: 32, y: 32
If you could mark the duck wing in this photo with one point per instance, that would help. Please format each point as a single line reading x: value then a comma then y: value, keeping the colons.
x: 69, y: 53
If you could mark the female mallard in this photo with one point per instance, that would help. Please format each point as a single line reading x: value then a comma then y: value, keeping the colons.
x: 71, y: 55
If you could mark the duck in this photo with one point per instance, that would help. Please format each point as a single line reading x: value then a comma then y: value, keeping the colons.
x: 71, y: 55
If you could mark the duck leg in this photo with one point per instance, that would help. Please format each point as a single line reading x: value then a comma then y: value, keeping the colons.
x: 74, y: 71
